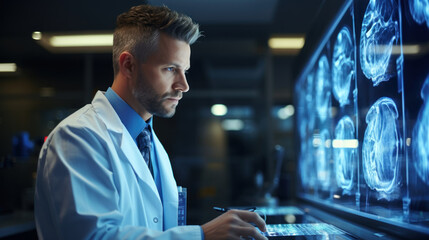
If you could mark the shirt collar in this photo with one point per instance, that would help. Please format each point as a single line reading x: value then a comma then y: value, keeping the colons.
x: 132, y: 121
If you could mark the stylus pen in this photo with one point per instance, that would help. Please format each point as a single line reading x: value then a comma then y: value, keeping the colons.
x: 219, y: 209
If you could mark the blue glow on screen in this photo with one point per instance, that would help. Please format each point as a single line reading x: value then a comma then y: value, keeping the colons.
x: 323, y: 156
x: 381, y: 146
x: 363, y: 102
x: 421, y: 137
x: 380, y: 32
x: 323, y: 88
x: 306, y: 164
x: 309, y: 97
x: 345, y: 158
x: 420, y: 11
x: 343, y: 66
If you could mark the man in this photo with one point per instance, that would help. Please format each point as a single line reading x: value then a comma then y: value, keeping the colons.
x: 96, y: 180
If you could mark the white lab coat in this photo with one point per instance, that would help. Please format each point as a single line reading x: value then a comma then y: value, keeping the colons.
x: 93, y: 183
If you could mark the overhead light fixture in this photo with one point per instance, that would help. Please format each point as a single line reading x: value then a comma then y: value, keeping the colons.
x: 412, y: 49
x: 232, y: 124
x: 286, y: 42
x: 219, y: 110
x: 345, y: 143
x: 36, y: 35
x: 8, y: 67
x: 286, y: 112
x: 286, y: 45
x: 407, y: 49
x: 87, y: 40
x: 75, y: 42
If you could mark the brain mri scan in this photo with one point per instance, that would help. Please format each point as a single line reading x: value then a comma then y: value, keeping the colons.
x: 307, y: 170
x: 421, y: 137
x: 342, y: 66
x: 323, y: 157
x: 419, y: 9
x: 309, y: 99
x: 379, y: 34
x: 323, y: 88
x: 381, y: 146
x: 362, y: 126
x: 344, y: 157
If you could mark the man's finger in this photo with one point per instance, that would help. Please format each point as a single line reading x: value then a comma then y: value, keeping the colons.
x: 250, y: 231
x: 251, y: 217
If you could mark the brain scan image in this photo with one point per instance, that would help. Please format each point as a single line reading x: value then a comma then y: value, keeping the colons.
x: 323, y: 157
x: 421, y: 137
x: 306, y: 164
x: 342, y: 66
x: 309, y: 98
x: 345, y: 158
x: 381, y: 146
x: 419, y: 9
x: 380, y: 32
x: 323, y: 88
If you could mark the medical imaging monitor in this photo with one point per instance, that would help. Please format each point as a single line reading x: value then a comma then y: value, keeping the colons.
x: 362, y: 100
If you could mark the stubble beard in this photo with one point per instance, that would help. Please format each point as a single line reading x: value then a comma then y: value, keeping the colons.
x: 153, y: 102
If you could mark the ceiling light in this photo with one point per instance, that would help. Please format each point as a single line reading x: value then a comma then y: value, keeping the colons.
x: 345, y: 143
x: 75, y: 42
x: 408, y: 49
x: 88, y: 40
x: 412, y: 49
x: 284, y: 43
x: 8, y: 67
x: 36, y: 35
x: 232, y: 124
x: 219, y: 110
x: 286, y: 112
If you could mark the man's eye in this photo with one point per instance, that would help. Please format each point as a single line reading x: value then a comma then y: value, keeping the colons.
x: 170, y: 69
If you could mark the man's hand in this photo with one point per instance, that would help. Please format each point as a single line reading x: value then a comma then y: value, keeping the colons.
x: 233, y: 225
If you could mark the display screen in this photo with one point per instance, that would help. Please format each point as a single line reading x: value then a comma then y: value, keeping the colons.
x: 306, y: 230
x: 280, y: 210
x: 363, y: 113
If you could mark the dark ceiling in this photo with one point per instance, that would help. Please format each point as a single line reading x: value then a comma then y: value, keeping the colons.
x: 233, y: 29
x: 220, y: 19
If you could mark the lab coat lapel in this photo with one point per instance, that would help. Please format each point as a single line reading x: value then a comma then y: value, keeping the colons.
x: 122, y: 138
x: 135, y: 158
x: 168, y: 184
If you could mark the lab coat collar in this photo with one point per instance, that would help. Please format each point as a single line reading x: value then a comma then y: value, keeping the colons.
x: 103, y: 108
x: 121, y: 136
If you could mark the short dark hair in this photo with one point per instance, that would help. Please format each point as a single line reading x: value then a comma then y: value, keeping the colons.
x: 137, y: 31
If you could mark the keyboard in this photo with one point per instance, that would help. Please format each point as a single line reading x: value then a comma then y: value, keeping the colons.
x: 284, y: 231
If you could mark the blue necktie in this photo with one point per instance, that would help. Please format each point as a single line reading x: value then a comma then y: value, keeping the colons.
x: 144, y: 144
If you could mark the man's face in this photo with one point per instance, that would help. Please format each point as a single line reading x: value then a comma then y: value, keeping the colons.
x: 161, y: 79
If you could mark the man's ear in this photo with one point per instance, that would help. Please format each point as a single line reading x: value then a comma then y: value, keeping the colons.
x: 127, y: 64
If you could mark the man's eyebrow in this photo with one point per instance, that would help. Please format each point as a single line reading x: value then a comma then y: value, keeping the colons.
x: 180, y: 66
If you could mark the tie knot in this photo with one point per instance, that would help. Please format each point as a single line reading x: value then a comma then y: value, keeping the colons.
x: 144, y: 138
x: 144, y: 144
